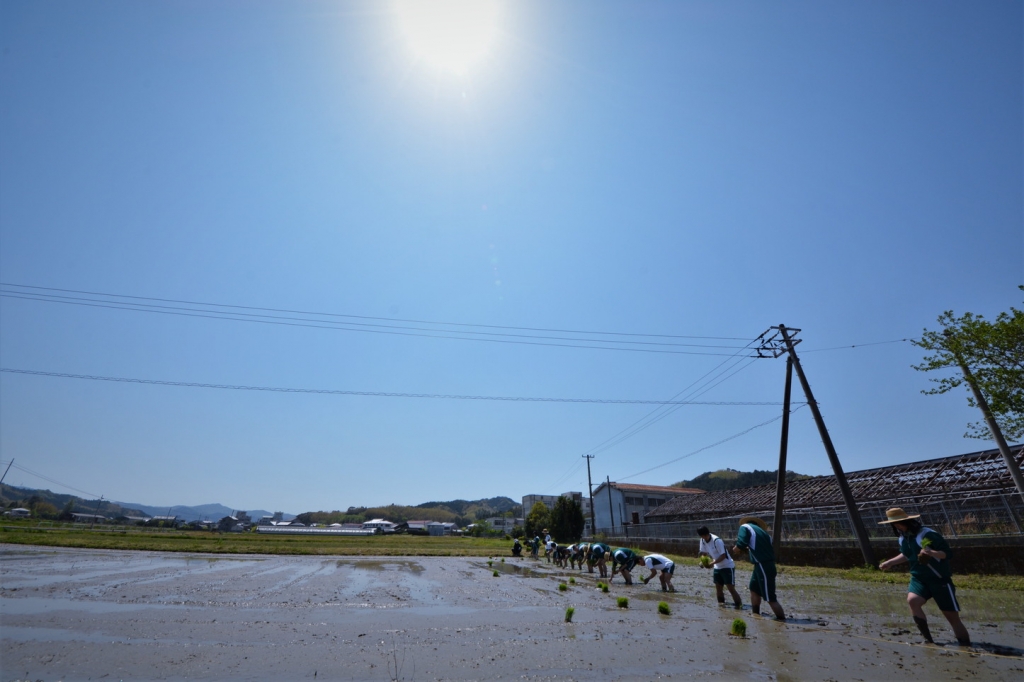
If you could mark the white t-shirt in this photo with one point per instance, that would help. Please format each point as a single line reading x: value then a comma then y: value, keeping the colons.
x: 658, y: 562
x: 715, y: 549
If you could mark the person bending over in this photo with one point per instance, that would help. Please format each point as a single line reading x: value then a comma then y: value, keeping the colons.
x: 754, y: 539
x: 658, y: 562
x: 623, y: 561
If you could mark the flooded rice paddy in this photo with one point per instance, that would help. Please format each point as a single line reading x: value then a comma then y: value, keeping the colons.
x: 88, y: 614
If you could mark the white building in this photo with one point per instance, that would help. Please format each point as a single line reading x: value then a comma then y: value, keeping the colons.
x: 616, y: 504
x: 384, y: 525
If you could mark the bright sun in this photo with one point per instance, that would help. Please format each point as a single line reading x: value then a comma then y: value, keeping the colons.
x: 450, y: 35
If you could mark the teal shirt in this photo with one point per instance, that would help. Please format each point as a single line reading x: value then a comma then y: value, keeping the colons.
x: 757, y: 542
x: 934, y: 569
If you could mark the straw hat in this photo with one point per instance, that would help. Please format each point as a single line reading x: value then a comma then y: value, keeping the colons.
x: 897, y: 514
x: 756, y: 521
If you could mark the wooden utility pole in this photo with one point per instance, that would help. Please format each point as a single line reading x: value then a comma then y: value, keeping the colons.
x: 590, y: 486
x: 9, y: 465
x: 611, y: 510
x: 780, y: 482
x: 833, y: 458
x: 993, y: 427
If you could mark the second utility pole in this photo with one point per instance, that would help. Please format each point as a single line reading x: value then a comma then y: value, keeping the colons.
x: 833, y: 458
x: 590, y: 488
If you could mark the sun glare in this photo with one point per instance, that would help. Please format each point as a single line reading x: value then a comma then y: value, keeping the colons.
x: 450, y: 35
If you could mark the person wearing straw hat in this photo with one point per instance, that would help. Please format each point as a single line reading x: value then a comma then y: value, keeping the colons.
x: 928, y: 554
x: 753, y: 538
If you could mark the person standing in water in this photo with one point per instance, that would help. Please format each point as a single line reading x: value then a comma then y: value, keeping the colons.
x: 724, y: 573
x: 754, y: 539
x: 928, y: 554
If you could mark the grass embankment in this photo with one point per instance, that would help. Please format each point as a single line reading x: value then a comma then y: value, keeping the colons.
x: 254, y: 543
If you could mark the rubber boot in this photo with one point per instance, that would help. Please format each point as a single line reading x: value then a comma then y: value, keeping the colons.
x: 922, y: 625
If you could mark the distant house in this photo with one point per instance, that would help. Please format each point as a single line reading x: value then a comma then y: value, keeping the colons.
x: 504, y: 523
x: 414, y: 527
x: 383, y: 525
x: 618, y: 504
x: 19, y: 513
x: 436, y: 528
x: 79, y: 517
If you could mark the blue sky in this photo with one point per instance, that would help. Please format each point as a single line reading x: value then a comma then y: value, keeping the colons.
x: 692, y: 169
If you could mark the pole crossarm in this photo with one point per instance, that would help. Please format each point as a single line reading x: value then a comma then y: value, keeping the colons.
x: 772, y: 344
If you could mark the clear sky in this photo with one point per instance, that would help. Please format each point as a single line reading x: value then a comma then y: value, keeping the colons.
x: 673, y: 168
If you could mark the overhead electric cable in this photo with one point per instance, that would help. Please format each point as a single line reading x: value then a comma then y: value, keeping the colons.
x: 670, y: 410
x: 336, y: 326
x: 54, y: 481
x: 708, y: 447
x: 856, y: 345
x: 698, y: 387
x: 383, y: 394
x: 360, y: 326
x: 367, y: 317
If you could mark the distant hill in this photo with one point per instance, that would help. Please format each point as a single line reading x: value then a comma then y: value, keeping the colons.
x: 492, y: 506
x: 461, y: 512
x: 730, y: 479
x: 46, y: 501
x: 202, y: 512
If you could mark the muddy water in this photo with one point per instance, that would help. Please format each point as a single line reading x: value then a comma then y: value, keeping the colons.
x: 81, y: 614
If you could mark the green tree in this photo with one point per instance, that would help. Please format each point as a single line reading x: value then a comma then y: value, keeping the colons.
x: 994, y: 354
x: 567, y: 520
x: 537, y: 520
x: 65, y: 514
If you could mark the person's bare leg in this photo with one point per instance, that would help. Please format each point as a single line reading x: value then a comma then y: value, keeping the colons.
x: 777, y: 609
x: 958, y: 627
x: 719, y: 592
x: 737, y: 602
x: 755, y: 603
x: 915, y: 602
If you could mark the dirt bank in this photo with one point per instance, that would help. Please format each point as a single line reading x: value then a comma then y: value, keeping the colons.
x: 85, y: 614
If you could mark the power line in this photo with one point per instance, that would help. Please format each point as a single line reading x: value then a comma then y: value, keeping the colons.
x: 335, y: 326
x: 857, y: 345
x: 668, y: 411
x: 708, y: 447
x: 367, y: 317
x: 701, y: 385
x: 347, y: 326
x: 381, y: 394
x: 54, y: 481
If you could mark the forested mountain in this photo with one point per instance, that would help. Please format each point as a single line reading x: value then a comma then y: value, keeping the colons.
x: 47, y: 504
x: 730, y: 479
x: 461, y: 512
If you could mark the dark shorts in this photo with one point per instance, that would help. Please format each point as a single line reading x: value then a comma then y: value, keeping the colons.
x: 944, y: 593
x: 627, y: 566
x: 724, y: 576
x: 762, y: 581
x: 597, y: 554
x: 670, y: 570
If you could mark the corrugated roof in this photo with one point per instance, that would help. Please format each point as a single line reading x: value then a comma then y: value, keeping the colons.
x: 667, y: 489
x: 976, y: 471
